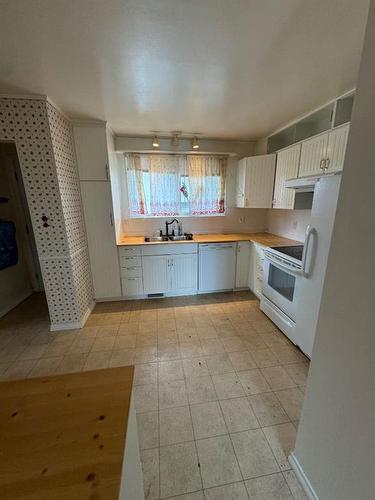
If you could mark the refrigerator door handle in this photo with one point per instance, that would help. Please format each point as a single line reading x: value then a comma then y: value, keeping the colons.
x: 310, y: 231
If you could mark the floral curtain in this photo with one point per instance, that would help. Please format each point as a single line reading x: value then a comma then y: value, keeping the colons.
x: 136, y: 193
x: 207, y: 184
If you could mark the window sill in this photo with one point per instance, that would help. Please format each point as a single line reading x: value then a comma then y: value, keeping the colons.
x: 174, y: 216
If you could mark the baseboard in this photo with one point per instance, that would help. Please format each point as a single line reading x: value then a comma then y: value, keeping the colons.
x: 17, y: 300
x: 302, y: 478
x: 75, y: 325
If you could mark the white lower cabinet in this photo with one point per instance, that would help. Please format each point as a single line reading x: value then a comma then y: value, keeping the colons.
x: 256, y: 269
x: 155, y: 274
x: 184, y: 272
x: 242, y: 264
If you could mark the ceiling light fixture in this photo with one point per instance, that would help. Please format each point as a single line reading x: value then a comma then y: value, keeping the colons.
x: 155, y: 142
x: 195, y: 144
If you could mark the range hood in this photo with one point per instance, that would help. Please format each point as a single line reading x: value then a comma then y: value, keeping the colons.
x: 302, y: 184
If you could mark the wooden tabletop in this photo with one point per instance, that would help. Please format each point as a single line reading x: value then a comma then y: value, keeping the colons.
x: 266, y: 239
x: 63, y: 437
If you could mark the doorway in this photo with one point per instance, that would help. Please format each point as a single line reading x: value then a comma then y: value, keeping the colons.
x: 20, y: 273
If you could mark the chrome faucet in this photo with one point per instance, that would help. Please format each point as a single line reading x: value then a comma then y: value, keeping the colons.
x: 167, y: 224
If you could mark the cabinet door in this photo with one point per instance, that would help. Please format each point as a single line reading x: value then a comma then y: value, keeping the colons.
x: 184, y: 272
x: 260, y: 174
x: 155, y: 273
x: 91, y: 151
x: 313, y: 152
x: 97, y: 207
x: 240, y: 193
x: 336, y: 148
x: 242, y: 264
x: 286, y: 168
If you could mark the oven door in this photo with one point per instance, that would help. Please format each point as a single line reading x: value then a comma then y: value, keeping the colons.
x: 280, y: 284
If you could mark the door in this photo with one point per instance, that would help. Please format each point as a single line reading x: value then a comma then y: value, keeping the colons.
x: 240, y: 193
x: 156, y: 273
x: 242, y: 264
x: 286, y: 168
x: 313, y: 152
x: 183, y: 272
x: 97, y: 207
x: 91, y: 151
x: 336, y: 148
x: 216, y: 266
x: 260, y: 174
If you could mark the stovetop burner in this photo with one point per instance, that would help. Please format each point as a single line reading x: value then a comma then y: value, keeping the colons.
x: 292, y: 251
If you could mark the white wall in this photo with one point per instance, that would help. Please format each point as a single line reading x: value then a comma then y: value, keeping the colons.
x: 288, y: 223
x: 15, y: 282
x: 336, y: 439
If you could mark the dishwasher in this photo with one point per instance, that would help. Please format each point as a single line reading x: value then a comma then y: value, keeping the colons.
x: 217, y: 263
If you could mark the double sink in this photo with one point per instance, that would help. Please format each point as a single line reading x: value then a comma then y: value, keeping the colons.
x: 184, y: 237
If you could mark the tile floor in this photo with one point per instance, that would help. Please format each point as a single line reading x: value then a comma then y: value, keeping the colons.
x: 218, y: 389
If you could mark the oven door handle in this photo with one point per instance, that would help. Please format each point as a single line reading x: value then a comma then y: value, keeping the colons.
x: 277, y: 263
x: 310, y: 231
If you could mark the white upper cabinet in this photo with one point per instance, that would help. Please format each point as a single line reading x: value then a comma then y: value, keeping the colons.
x: 255, y: 180
x: 336, y: 147
x: 97, y: 208
x: 92, y: 152
x: 312, y: 155
x: 286, y: 168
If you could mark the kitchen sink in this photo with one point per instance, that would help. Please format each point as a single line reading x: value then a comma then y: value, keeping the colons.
x: 185, y: 237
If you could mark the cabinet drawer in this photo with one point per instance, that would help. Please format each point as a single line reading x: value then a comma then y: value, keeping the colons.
x: 132, y: 287
x: 131, y: 272
x: 129, y: 251
x: 170, y: 249
x: 130, y: 261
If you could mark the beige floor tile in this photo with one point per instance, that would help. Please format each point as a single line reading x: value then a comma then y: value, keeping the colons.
x: 107, y: 331
x: 125, y: 342
x: 169, y: 352
x: 238, y: 415
x: 175, y: 425
x: 228, y: 385
x: 288, y: 354
x: 264, y: 358
x: 71, y: 363
x: 122, y: 357
x: 234, y: 491
x: 172, y: 393
x: 254, y: 453
x: 207, y: 420
x: 97, y: 360
x: 148, y: 327
x: 20, y: 369
x: 253, y: 342
x: 171, y: 370
x: 264, y: 325
x: 242, y: 361
x: 291, y: 400
x: 268, y: 409
x: 81, y: 346
x: 87, y: 333
x: 190, y: 335
x: 294, y: 486
x: 200, y: 390
x: 195, y: 367
x: 103, y: 344
x: 281, y: 438
x: 58, y: 349
x: 128, y: 329
x: 33, y: 351
x: 145, y: 398
x: 253, y: 382
x: 179, y: 471
x: 146, y: 355
x: 208, y: 332
x: 167, y: 338
x: 268, y: 487
x: 277, y: 377
x: 148, y: 430
x: 298, y: 372
x: 218, y: 463
x: 45, y: 366
x: 197, y: 495
x: 191, y: 349
x: 212, y: 346
x: 233, y: 344
x: 218, y: 364
x: 150, y: 467
x: 146, y: 339
x: 146, y: 373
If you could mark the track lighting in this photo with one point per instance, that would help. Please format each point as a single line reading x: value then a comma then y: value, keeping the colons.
x: 195, y: 144
x: 155, y: 142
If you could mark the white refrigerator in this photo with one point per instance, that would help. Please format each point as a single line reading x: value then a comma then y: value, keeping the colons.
x: 317, y: 246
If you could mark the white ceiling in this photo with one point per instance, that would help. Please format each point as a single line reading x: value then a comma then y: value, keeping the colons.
x: 222, y: 68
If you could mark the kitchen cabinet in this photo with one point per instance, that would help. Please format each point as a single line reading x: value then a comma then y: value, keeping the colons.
x: 242, y: 264
x: 256, y: 269
x: 255, y: 181
x: 184, y: 272
x: 131, y: 271
x: 324, y: 153
x: 217, y: 263
x: 97, y: 209
x: 287, y: 164
x: 92, y: 152
x: 155, y: 274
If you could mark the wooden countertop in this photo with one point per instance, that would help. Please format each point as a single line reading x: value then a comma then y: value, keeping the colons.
x: 63, y: 437
x: 266, y: 239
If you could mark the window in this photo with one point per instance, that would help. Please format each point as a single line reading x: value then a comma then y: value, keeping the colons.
x: 174, y: 185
